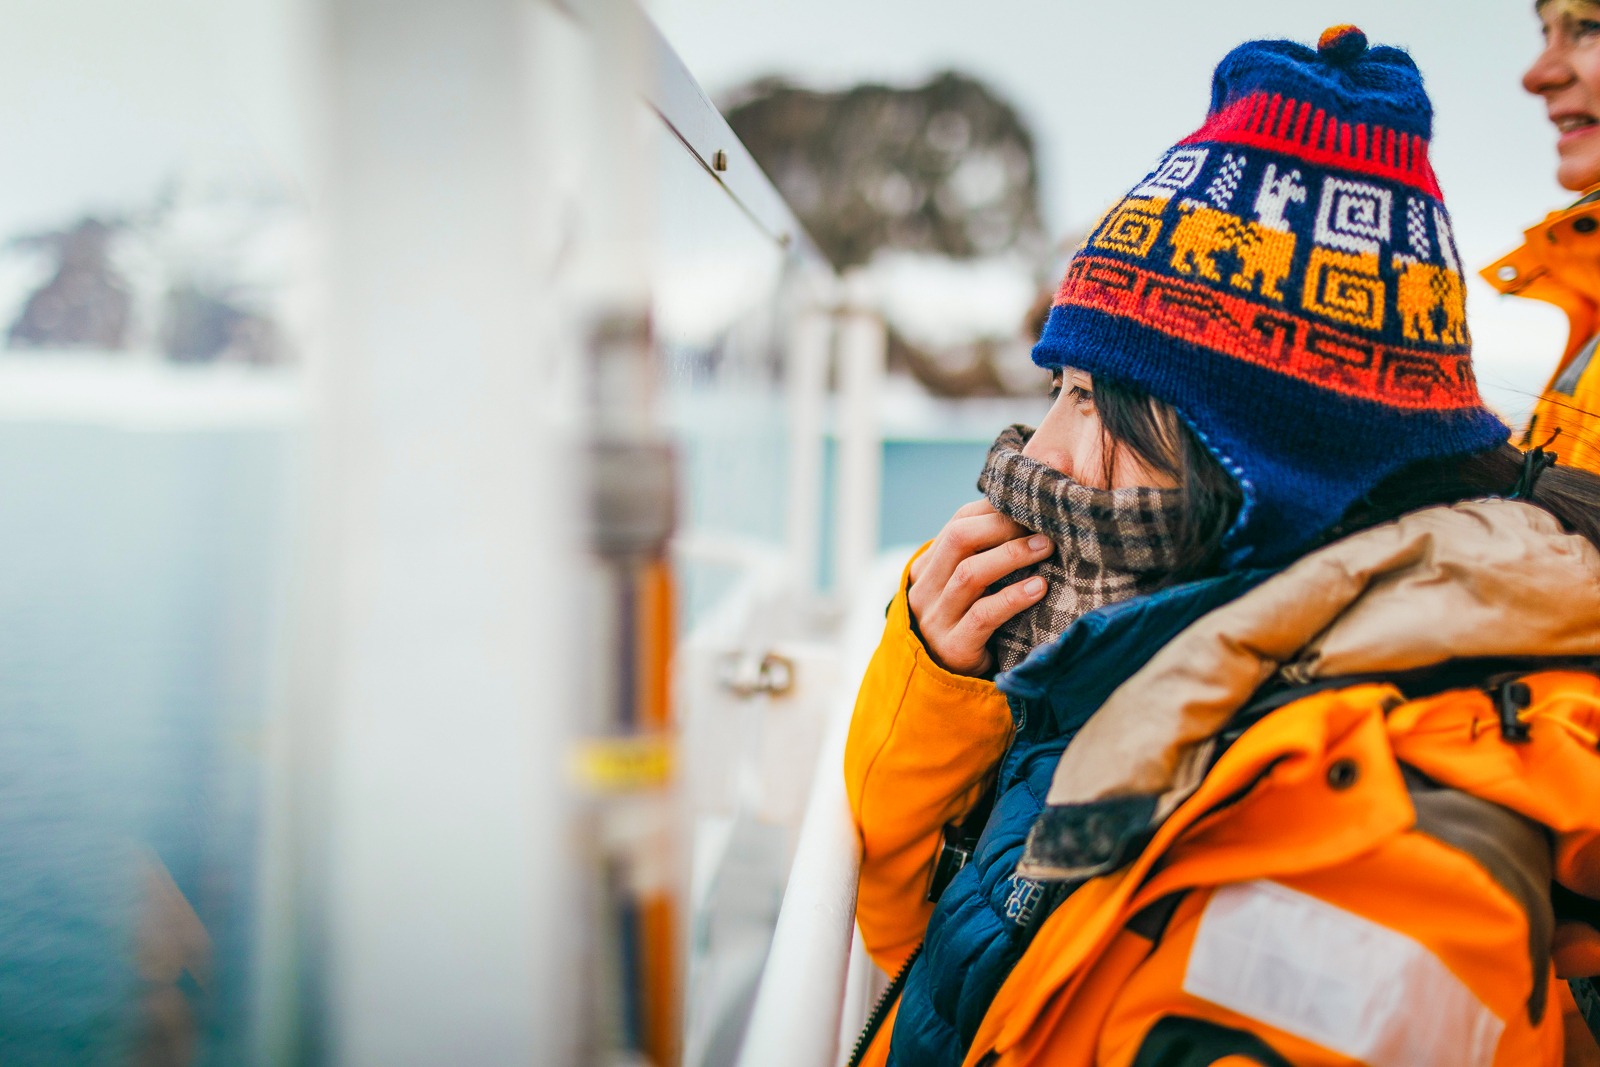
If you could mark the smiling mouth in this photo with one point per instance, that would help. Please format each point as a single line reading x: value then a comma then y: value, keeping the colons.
x: 1575, y: 125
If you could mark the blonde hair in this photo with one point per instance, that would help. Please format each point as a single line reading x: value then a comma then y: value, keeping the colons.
x: 1569, y: 8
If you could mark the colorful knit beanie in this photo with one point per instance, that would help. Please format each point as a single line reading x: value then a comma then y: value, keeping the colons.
x: 1287, y: 280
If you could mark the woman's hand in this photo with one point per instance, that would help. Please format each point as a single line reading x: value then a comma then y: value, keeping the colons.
x: 977, y: 547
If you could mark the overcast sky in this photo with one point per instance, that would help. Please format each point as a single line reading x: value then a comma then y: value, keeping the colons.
x: 1107, y: 86
x: 101, y: 101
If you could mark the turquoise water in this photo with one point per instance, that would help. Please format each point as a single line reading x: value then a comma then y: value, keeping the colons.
x: 924, y: 482
x: 139, y: 620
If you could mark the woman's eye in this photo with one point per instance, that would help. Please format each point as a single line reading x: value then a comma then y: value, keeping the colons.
x: 1586, y: 28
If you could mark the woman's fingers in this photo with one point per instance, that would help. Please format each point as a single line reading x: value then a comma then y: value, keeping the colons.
x: 975, y: 508
x: 919, y: 563
x: 976, y: 548
x: 969, y: 578
x: 962, y: 537
x: 987, y: 615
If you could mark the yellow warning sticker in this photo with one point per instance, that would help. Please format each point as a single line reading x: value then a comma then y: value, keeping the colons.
x: 623, y: 764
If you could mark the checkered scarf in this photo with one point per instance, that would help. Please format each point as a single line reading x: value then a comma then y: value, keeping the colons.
x: 1111, y: 544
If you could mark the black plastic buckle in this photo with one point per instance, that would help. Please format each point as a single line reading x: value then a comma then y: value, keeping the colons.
x: 1509, y: 699
x: 958, y: 844
x: 955, y: 852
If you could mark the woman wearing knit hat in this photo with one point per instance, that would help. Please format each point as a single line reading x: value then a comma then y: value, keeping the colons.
x: 1559, y: 258
x: 1252, y: 716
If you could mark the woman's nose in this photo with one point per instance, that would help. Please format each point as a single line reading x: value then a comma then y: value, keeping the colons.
x: 1550, y: 72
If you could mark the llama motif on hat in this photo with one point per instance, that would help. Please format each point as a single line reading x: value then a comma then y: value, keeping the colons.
x: 1287, y: 279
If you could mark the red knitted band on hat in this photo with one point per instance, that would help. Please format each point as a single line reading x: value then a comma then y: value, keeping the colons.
x: 1295, y: 128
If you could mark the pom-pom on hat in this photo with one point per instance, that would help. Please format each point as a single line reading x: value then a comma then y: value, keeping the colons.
x: 1341, y: 44
x: 1287, y: 279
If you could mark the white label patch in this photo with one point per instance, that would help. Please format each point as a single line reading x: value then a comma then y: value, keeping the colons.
x: 1334, y: 978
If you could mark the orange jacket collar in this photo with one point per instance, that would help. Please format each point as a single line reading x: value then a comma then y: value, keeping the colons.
x: 1559, y: 263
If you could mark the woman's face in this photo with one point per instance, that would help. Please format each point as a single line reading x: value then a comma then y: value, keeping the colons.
x: 1567, y: 75
x: 1072, y: 440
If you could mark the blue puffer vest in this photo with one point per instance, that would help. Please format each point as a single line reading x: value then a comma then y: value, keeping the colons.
x: 983, y: 921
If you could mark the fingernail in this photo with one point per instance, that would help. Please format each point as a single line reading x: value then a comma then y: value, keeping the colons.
x: 1038, y: 542
x: 1033, y: 586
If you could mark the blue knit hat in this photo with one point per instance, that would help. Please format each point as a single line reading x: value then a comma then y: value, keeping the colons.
x: 1286, y: 279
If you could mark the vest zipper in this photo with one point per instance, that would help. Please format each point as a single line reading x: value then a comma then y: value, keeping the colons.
x: 881, y: 1009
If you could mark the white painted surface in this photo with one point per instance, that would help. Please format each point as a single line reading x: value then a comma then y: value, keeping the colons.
x: 440, y: 595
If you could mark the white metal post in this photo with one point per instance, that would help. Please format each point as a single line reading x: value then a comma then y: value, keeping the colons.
x: 806, y: 381
x: 863, y: 342
x: 445, y: 529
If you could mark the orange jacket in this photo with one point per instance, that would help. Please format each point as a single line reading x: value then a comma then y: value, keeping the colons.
x: 1088, y: 988
x: 1559, y: 263
x: 922, y: 745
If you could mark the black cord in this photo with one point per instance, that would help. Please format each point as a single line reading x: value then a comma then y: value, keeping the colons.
x: 1535, y: 462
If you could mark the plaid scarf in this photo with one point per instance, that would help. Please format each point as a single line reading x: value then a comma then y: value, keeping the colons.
x: 1111, y: 544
